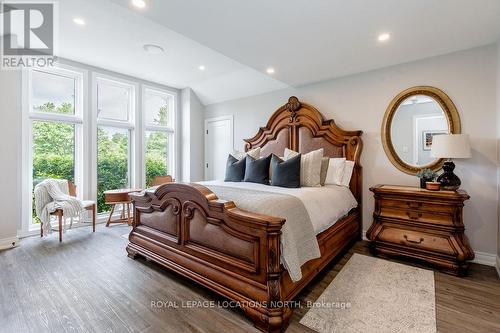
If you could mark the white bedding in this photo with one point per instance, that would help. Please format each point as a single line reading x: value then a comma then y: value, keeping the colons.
x: 325, y: 205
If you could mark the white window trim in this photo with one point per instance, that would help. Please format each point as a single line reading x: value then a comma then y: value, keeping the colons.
x: 172, y: 158
x: 85, y: 119
x: 130, y: 125
x: 81, y: 135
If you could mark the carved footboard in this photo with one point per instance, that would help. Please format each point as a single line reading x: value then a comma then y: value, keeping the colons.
x: 235, y: 253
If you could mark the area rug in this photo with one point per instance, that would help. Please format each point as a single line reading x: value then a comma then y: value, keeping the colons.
x: 375, y: 295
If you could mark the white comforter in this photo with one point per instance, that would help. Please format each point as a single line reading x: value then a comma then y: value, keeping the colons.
x: 325, y: 205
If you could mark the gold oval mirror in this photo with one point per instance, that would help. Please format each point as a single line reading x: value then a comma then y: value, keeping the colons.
x: 412, y: 119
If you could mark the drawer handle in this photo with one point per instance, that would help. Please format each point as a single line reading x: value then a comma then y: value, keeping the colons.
x: 413, y: 241
x: 413, y: 215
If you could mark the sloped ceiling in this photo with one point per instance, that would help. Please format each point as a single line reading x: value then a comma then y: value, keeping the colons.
x: 305, y: 41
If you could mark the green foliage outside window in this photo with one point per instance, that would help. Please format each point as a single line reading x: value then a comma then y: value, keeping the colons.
x: 54, y: 144
x: 53, y: 147
x: 156, y: 155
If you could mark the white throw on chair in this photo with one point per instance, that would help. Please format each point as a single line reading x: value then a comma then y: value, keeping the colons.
x: 56, y: 197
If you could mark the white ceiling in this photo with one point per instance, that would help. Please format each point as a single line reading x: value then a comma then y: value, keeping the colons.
x: 313, y: 40
x: 304, y: 40
x: 113, y: 38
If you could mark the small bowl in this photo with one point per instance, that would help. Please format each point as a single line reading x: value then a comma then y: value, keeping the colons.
x: 433, y: 186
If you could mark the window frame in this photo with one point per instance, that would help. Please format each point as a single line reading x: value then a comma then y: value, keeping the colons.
x: 170, y: 130
x: 86, y: 124
x: 29, y: 117
x: 130, y: 125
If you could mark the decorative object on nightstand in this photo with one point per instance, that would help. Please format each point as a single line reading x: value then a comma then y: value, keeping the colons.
x: 450, y: 146
x: 433, y: 186
x: 421, y: 224
x: 426, y: 175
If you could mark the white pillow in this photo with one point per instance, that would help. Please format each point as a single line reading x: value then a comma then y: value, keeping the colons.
x: 310, y: 166
x: 335, y: 171
x: 348, y: 168
x: 239, y: 155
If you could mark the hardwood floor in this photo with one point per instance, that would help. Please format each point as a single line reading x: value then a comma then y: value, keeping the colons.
x: 88, y: 284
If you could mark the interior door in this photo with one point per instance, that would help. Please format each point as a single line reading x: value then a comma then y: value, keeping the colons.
x: 218, y: 144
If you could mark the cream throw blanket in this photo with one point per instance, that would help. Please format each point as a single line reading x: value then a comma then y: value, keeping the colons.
x: 52, y: 194
x: 298, y: 239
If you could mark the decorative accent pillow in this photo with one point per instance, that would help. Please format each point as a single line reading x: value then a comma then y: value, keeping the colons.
x: 255, y: 153
x: 324, y: 170
x: 348, y: 168
x: 271, y: 168
x: 235, y: 169
x: 257, y: 170
x: 285, y: 173
x: 335, y: 171
x: 310, y: 166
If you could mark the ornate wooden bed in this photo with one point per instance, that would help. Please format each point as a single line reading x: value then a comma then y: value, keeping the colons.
x: 236, y: 253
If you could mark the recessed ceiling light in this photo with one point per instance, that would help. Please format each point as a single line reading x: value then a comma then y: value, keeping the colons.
x: 139, y: 3
x: 79, y: 21
x: 384, y: 37
x: 201, y: 68
x: 153, y: 48
x: 270, y: 70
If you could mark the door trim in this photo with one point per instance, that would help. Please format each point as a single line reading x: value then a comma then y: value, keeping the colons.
x: 229, y: 117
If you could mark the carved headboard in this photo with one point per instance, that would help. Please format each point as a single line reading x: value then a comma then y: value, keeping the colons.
x: 301, y: 127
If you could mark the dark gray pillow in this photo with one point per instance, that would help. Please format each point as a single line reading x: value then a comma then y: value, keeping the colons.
x: 286, y: 173
x: 257, y: 170
x: 235, y: 169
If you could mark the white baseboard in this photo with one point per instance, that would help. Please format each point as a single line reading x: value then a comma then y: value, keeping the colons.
x: 100, y: 219
x: 498, y: 265
x: 8, y: 243
x: 482, y: 258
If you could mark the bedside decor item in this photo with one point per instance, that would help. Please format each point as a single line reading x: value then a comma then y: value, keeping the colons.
x: 426, y: 175
x: 420, y: 224
x: 433, y: 186
x: 450, y: 146
x: 414, y: 118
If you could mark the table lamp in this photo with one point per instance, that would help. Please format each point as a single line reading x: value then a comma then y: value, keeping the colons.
x: 450, y: 146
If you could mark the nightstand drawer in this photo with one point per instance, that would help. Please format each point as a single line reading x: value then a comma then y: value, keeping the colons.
x: 417, y: 205
x: 440, y: 217
x: 416, y: 239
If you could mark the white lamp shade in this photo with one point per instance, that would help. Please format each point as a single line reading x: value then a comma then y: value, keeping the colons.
x: 451, y: 146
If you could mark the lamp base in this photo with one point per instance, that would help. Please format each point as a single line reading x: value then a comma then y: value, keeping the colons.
x: 449, y: 181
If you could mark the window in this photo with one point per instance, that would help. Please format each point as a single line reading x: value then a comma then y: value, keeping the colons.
x: 113, y: 100
x: 53, y: 150
x: 115, y: 125
x: 53, y: 92
x: 110, y: 139
x: 159, y: 113
x: 54, y: 123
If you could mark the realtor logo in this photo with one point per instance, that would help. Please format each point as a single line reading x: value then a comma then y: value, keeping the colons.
x: 28, y: 34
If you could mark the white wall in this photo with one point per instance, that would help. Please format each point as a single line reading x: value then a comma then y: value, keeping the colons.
x: 192, y: 145
x: 360, y: 101
x: 10, y: 152
x: 498, y: 156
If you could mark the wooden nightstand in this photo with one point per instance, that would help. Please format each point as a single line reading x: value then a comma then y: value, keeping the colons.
x: 421, y: 224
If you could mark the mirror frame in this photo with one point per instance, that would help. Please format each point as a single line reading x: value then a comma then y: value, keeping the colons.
x: 450, y: 112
